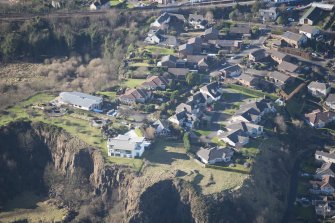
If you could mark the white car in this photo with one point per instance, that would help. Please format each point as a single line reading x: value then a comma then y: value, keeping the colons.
x: 290, y: 19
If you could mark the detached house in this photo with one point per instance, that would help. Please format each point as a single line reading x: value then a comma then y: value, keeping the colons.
x: 240, y: 31
x: 318, y: 89
x: 248, y: 80
x: 330, y: 101
x: 155, y: 82
x: 162, y: 21
x: 325, y: 157
x: 183, y: 119
x: 236, y: 138
x: 268, y: 15
x: 197, y: 62
x: 319, y: 119
x: 327, y: 169
x: 215, y: 155
x: 161, y: 128
x: 309, y: 31
x: 279, y: 57
x: 294, y: 39
x: 288, y: 67
x: 168, y: 61
x: 135, y: 96
x: 326, y: 186
x: 185, y: 49
x: 128, y: 145
x: 213, y: 91
x: 279, y: 79
x: 232, y: 71
x: 258, y: 55
x: 251, y: 129
x: 311, y: 16
x: 210, y: 34
x: 197, y: 21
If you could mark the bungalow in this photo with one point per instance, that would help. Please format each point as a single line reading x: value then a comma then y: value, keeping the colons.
x: 309, y: 31
x: 155, y: 36
x: 251, y: 129
x: 279, y: 57
x: 325, y: 157
x: 318, y: 89
x: 80, y: 100
x: 268, y: 15
x: 197, y: 62
x: 288, y: 67
x: 129, y: 145
x: 294, y: 39
x: 279, y: 79
x: 155, y: 82
x: 168, y: 61
x: 213, y: 91
x: 327, y: 169
x: 183, y: 119
x: 161, y: 127
x: 179, y: 73
x: 161, y: 22
x: 215, y: 155
x: 232, y: 71
x: 326, y: 186
x: 228, y: 45
x: 257, y: 55
x: 169, y: 41
x: 237, y: 138
x: 319, y: 119
x: 185, y: 49
x: 210, y: 34
x: 330, y: 101
x: 196, y: 43
x: 240, y: 31
x: 311, y: 16
x: 253, y: 111
x: 135, y: 96
x: 248, y: 80
x: 197, y: 21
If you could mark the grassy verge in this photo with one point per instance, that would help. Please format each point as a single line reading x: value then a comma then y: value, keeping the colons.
x: 159, y: 50
x: 251, y: 92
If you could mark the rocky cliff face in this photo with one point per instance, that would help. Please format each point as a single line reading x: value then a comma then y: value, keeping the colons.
x: 47, y: 160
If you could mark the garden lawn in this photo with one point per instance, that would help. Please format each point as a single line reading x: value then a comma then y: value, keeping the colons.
x: 168, y: 159
x: 159, y: 50
x: 109, y: 94
x: 132, y: 83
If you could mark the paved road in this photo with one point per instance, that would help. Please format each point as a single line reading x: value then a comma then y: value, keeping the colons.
x: 71, y: 14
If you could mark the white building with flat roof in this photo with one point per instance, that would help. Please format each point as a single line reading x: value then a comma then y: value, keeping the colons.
x: 80, y: 100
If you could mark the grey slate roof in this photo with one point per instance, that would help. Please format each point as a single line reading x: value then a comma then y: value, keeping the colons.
x: 328, y: 155
x: 287, y: 66
x: 244, y: 126
x: 80, y: 99
x: 236, y: 136
x: 279, y: 76
x: 214, y: 153
x: 292, y: 36
x: 331, y: 99
x: 308, y: 29
x: 318, y: 85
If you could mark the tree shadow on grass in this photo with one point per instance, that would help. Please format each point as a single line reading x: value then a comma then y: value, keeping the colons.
x: 196, y: 181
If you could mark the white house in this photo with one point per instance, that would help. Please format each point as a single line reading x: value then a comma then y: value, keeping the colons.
x: 318, y: 89
x: 236, y: 138
x: 325, y: 157
x: 251, y: 129
x: 232, y: 71
x: 213, y: 91
x: 80, y: 100
x: 129, y: 145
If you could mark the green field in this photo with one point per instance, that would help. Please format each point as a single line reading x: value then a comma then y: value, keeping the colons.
x: 33, y: 208
x: 75, y: 124
x: 168, y: 159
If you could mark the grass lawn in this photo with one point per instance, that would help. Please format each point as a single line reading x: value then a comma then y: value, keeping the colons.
x: 304, y: 214
x: 143, y: 64
x: 109, y: 94
x: 33, y: 208
x: 71, y: 123
x: 159, y: 50
x: 132, y: 83
x: 252, y: 148
x: 251, y: 92
x: 203, y: 132
x: 115, y: 2
x: 216, y: 140
x: 169, y: 160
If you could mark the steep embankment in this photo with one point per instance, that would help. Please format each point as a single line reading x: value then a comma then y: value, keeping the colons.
x: 47, y: 160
